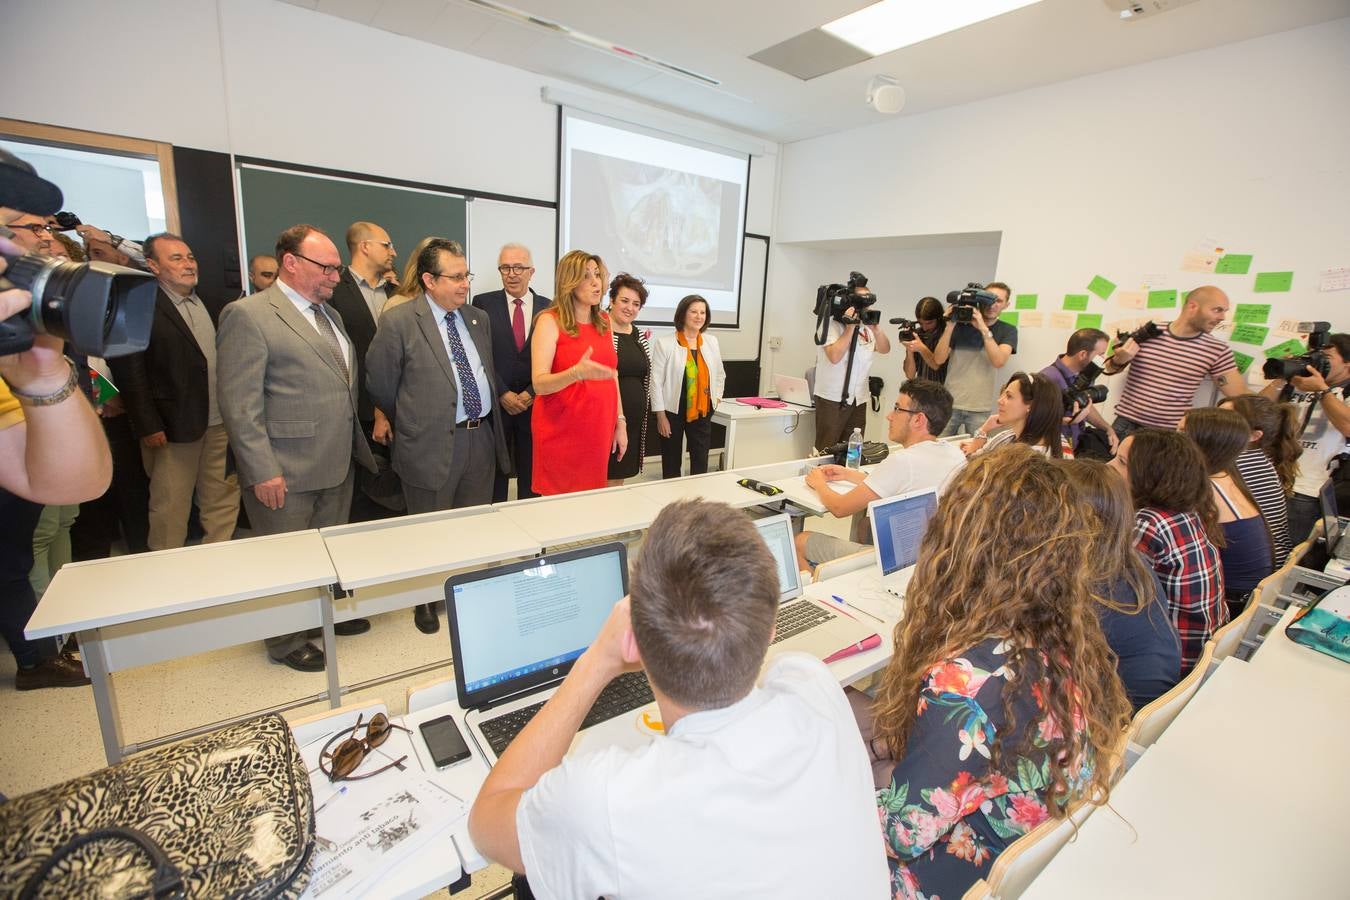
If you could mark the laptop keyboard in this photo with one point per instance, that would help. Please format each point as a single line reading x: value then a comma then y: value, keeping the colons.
x: 626, y: 693
x: 794, y: 618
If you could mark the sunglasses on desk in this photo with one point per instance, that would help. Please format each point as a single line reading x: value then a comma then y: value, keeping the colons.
x: 340, y: 763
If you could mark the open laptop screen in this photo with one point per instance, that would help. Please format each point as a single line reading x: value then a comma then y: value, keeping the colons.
x: 898, y: 524
x: 777, y: 533
x: 1331, y: 524
x: 520, y: 625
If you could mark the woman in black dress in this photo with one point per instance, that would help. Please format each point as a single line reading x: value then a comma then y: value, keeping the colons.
x: 627, y: 296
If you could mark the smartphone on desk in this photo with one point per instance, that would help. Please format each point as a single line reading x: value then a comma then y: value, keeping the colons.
x: 444, y: 741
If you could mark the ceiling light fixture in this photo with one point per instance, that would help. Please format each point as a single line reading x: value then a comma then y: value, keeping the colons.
x: 892, y: 24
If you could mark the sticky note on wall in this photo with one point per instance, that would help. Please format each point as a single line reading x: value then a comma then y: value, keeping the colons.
x: 1101, y: 287
x: 1243, y: 361
x: 1031, y: 318
x: 1026, y: 301
x: 1233, y: 264
x: 1162, y: 299
x: 1249, y: 334
x: 1288, y: 348
x: 1252, y: 313
x: 1076, y: 301
x: 1130, y: 299
x: 1008, y: 316
x: 1273, y: 282
x: 1088, y: 320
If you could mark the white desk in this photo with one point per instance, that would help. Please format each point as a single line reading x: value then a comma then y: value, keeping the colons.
x: 756, y: 436
x: 1248, y: 757
x: 719, y: 487
x: 551, y: 521
x: 149, y: 607
x: 1284, y: 662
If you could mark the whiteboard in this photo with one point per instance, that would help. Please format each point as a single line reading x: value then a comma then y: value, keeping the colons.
x: 493, y: 223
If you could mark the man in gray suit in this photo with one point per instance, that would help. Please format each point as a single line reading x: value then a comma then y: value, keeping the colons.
x: 287, y: 393
x: 429, y: 368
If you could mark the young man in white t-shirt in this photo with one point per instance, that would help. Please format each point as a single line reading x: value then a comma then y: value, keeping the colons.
x: 921, y: 411
x: 840, y: 408
x: 753, y: 791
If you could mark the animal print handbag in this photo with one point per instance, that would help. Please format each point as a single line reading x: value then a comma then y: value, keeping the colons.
x: 227, y: 814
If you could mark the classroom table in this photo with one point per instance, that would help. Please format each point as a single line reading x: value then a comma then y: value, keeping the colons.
x: 551, y: 521
x: 756, y: 436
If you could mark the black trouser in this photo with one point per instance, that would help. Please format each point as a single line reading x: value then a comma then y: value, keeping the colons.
x: 697, y: 432
x: 1124, y: 427
x: 18, y: 518
x: 521, y: 446
x: 835, y: 421
x: 124, y: 508
x: 1304, y: 512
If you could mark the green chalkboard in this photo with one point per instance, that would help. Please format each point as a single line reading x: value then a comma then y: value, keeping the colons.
x: 274, y: 200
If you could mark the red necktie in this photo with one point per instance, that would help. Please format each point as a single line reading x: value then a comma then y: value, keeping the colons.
x: 518, y: 324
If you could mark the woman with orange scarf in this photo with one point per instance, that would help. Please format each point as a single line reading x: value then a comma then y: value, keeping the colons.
x: 687, y: 384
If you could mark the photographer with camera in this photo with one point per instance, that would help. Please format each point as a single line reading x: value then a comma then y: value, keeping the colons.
x: 920, y: 338
x: 847, y: 337
x: 1318, y: 395
x: 1074, y: 372
x: 974, y: 345
x: 1164, y: 367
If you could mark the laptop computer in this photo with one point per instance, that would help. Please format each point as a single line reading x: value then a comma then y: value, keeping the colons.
x: 898, y: 524
x: 793, y: 390
x: 517, y: 629
x: 802, y: 623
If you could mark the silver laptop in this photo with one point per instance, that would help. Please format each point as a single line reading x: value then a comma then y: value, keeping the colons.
x: 517, y: 629
x: 898, y: 524
x: 804, y: 624
x: 793, y: 390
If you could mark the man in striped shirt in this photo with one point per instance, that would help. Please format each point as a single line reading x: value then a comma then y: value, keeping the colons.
x: 1163, y: 373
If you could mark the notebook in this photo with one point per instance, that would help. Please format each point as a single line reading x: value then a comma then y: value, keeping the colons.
x: 898, y: 525
x: 804, y: 624
x: 517, y: 629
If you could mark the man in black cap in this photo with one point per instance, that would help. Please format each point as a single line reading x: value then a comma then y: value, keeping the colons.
x: 52, y: 449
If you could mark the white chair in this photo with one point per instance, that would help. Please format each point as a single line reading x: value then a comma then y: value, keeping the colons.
x: 1027, y: 857
x: 851, y: 563
x: 421, y: 696
x: 1152, y: 720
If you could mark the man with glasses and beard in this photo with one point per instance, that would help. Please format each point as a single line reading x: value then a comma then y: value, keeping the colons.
x: 288, y: 376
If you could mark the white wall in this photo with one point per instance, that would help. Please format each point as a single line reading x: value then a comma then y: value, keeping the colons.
x: 1117, y: 174
x: 268, y: 79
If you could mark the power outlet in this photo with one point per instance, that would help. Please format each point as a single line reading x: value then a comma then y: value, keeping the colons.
x: 775, y: 343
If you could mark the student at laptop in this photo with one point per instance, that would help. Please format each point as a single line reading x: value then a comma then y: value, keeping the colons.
x: 1001, y: 707
x: 920, y: 413
x: 754, y: 791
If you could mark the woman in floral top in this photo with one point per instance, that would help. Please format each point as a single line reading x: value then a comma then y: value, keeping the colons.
x: 998, y: 652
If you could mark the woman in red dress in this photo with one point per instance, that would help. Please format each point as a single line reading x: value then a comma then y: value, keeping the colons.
x: 576, y: 422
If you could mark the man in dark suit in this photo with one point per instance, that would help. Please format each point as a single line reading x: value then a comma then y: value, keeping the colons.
x: 359, y: 298
x: 430, y: 371
x: 511, y: 312
x: 170, y: 394
x: 288, y: 397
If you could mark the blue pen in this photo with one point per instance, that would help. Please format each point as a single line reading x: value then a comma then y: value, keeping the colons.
x: 840, y: 600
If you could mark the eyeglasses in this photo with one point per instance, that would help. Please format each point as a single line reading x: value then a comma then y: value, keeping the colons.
x: 515, y: 269
x: 457, y: 278
x: 899, y: 408
x: 38, y: 228
x: 327, y: 269
x: 388, y: 245
x: 342, y: 762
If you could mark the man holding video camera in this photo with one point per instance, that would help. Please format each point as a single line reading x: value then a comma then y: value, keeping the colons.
x: 851, y: 341
x: 1164, y: 367
x: 1085, y: 351
x: 1319, y: 396
x: 975, y: 344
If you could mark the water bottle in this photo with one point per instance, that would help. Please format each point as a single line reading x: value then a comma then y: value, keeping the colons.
x: 853, y: 458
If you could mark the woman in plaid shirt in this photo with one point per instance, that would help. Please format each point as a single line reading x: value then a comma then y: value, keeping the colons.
x: 1176, y: 528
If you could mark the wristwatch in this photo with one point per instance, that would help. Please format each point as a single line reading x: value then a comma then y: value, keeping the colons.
x: 60, y: 394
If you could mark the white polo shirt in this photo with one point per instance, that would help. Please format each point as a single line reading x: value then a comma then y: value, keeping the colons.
x: 928, y: 464
x: 769, y: 797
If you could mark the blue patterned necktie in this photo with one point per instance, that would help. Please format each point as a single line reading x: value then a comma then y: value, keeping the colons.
x: 473, y: 403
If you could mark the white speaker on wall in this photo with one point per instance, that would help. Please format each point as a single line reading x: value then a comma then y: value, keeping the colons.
x: 885, y: 95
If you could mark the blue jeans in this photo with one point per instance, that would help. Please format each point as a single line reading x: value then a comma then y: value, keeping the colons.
x: 969, y: 419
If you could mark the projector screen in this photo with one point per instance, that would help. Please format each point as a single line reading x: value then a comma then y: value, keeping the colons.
x: 670, y: 211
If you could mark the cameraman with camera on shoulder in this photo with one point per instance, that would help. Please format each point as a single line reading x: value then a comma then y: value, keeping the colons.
x: 1084, y: 353
x: 975, y: 344
x: 1164, y: 367
x: 1319, y: 396
x: 844, y: 354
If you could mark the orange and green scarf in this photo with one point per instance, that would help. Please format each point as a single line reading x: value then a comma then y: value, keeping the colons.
x: 697, y: 395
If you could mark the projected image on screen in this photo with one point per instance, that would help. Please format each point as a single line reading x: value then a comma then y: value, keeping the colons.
x: 666, y: 224
x: 668, y: 211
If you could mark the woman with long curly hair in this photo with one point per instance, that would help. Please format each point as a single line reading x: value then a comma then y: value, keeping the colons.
x: 1176, y: 527
x: 1001, y: 706
x: 1269, y: 465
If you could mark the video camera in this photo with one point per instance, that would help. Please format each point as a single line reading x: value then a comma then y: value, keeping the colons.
x: 834, y: 300
x: 967, y: 300
x: 101, y: 309
x: 909, y: 329
x: 1287, y: 367
x: 1082, y: 391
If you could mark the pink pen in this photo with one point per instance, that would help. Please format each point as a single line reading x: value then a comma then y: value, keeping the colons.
x: 871, y: 642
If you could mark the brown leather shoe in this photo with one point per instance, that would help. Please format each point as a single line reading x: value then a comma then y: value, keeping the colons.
x: 59, y: 671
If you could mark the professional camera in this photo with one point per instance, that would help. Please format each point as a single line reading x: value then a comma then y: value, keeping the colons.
x: 1148, y: 330
x: 1081, y: 391
x: 1319, y: 336
x: 834, y: 300
x: 966, y: 301
x: 909, y: 329
x: 101, y: 309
